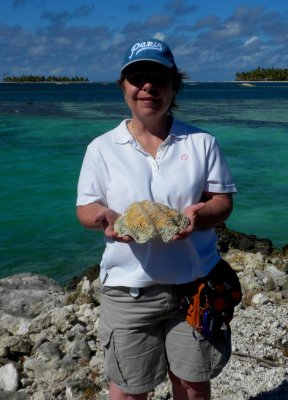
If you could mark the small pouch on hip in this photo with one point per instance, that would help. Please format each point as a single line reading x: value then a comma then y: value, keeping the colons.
x: 209, y: 302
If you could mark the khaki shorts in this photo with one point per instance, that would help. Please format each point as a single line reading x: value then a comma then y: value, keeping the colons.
x: 144, y: 336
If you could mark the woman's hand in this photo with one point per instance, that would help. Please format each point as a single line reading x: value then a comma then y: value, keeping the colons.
x: 215, y: 208
x: 111, y: 234
x: 96, y: 216
x: 192, y: 213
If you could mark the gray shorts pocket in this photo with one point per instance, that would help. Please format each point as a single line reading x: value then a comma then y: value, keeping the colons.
x: 111, y: 364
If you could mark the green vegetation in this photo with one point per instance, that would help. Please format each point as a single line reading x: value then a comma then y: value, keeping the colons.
x: 263, y: 74
x: 42, y: 78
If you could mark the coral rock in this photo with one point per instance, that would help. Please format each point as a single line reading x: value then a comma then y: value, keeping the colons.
x: 147, y: 220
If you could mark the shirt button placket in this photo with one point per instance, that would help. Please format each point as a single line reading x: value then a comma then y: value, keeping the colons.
x: 154, y: 166
x: 155, y: 183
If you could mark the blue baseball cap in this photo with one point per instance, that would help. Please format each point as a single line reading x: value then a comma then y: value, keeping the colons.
x: 149, y: 50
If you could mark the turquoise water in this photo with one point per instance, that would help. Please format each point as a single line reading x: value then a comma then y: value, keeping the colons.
x: 44, y: 131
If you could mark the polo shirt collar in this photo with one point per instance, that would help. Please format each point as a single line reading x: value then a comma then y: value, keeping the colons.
x: 122, y: 135
x: 178, y: 129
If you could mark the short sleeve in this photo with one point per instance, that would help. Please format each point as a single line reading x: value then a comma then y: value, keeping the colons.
x: 91, y: 183
x: 218, y: 175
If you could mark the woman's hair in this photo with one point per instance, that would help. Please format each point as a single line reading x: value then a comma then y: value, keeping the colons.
x: 177, y: 80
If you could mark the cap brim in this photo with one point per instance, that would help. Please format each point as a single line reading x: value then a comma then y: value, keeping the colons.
x: 166, y: 63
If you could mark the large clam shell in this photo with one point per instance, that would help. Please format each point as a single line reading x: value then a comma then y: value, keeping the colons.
x: 147, y: 220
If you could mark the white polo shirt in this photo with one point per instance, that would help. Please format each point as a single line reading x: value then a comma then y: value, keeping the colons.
x: 117, y: 172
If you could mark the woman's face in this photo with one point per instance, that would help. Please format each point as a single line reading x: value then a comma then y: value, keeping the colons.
x: 148, y: 89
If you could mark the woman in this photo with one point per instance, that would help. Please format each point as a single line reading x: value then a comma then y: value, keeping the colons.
x: 154, y: 157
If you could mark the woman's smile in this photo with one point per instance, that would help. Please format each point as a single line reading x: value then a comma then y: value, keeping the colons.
x: 148, y: 99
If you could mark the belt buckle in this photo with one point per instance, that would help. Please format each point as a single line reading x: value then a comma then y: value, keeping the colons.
x: 135, y: 292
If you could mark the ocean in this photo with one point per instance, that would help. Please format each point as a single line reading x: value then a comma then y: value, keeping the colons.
x: 44, y: 131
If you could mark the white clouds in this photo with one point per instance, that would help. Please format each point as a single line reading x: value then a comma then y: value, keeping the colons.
x: 244, y: 40
x: 159, y: 20
x: 180, y: 7
x: 206, y: 23
x: 204, y: 44
x: 37, y: 51
x: 57, y: 71
x: 62, y: 40
x: 62, y: 17
x: 250, y: 41
x: 145, y: 27
x: 182, y: 50
x: 159, y: 36
x: 232, y: 29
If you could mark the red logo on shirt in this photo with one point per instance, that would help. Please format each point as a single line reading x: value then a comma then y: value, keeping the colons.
x: 184, y: 156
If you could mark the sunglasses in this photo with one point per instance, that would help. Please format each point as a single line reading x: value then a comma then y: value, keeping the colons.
x: 138, y: 78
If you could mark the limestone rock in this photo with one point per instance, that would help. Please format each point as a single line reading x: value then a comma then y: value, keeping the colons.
x: 28, y: 295
x: 83, y: 293
x: 13, y: 396
x: 77, y: 349
x: 14, y: 325
x: 260, y: 298
x: 147, y: 220
x: 5, y: 343
x: 57, y: 354
x: 9, y: 378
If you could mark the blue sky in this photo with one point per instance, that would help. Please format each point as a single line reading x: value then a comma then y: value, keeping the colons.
x: 210, y: 39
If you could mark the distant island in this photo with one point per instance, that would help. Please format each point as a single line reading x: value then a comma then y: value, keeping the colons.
x: 263, y: 74
x: 42, y: 78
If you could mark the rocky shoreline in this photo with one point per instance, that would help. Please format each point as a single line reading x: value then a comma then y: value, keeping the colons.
x: 49, y: 348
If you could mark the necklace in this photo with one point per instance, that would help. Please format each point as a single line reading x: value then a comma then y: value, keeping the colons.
x: 135, y: 136
x: 150, y: 148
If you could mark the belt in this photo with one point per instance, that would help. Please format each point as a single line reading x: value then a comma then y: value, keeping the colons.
x: 136, y: 292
